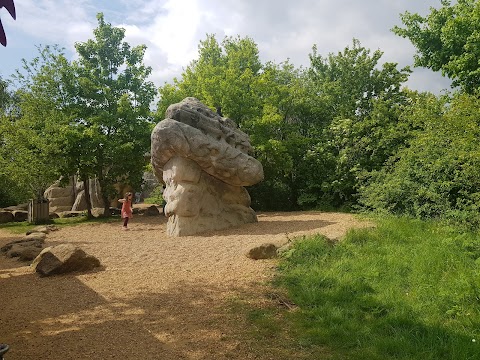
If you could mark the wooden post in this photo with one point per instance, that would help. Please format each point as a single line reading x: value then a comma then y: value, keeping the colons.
x: 38, y: 211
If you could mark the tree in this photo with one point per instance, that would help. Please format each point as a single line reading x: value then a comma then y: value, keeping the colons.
x: 447, y: 40
x: 10, y: 192
x: 437, y: 174
x: 346, y: 82
x: 32, y: 124
x: 266, y: 101
x: 280, y: 134
x: 354, y: 100
x: 223, y: 77
x: 112, y: 103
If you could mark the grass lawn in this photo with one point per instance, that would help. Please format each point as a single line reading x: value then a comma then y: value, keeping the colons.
x: 406, y: 289
x: 24, y: 226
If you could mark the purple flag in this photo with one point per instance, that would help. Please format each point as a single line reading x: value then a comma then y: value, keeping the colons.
x: 10, y: 6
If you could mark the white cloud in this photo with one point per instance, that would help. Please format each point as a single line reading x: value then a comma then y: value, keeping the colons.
x: 172, y: 29
x: 54, y: 21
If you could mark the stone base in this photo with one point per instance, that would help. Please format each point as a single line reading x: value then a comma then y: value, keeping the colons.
x: 183, y: 226
x: 198, y: 202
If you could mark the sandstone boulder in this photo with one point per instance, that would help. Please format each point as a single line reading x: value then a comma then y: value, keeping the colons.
x: 71, y: 196
x: 23, y: 207
x: 23, y: 249
x: 151, y: 211
x: 20, y: 215
x: 46, y: 229
x: 6, y: 217
x: 24, y: 252
x: 264, y: 251
x: 204, y: 161
x: 63, y: 259
x: 22, y: 242
x: 36, y: 236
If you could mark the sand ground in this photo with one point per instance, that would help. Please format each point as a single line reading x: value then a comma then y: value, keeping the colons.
x: 156, y: 297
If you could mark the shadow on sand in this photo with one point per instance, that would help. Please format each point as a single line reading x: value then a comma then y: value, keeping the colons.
x: 60, y: 317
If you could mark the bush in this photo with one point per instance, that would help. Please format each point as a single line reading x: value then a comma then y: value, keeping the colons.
x: 156, y: 196
x: 438, y: 175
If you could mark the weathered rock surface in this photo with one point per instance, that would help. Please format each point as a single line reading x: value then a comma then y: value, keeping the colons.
x: 16, y: 213
x: 204, y: 161
x: 6, y: 216
x: 151, y: 211
x: 264, y: 251
x: 20, y: 215
x: 36, y: 236
x: 63, y: 259
x: 25, y: 249
x: 24, y: 252
x: 71, y: 197
x: 46, y: 229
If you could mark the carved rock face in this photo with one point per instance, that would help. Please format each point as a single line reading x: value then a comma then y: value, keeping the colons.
x: 203, y: 160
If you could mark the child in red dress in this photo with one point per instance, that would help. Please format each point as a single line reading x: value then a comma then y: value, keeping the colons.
x: 126, y: 209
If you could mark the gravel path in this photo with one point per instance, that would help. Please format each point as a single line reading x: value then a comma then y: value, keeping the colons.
x: 156, y: 297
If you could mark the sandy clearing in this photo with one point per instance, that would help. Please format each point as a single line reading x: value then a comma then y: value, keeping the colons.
x: 156, y: 298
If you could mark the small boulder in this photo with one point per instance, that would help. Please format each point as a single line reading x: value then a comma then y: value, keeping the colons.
x: 23, y: 207
x: 62, y: 259
x: 6, y: 217
x: 152, y: 211
x: 24, y: 252
x: 36, y: 236
x: 24, y: 249
x: 23, y: 242
x: 264, y: 251
x: 70, y: 214
x: 20, y: 215
x: 53, y: 216
x: 46, y: 229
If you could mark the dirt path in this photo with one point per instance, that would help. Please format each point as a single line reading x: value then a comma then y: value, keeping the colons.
x: 157, y: 297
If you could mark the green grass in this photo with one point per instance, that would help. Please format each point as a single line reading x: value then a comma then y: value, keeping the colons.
x: 406, y: 289
x: 24, y: 226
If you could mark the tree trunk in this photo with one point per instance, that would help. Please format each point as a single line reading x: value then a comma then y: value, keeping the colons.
x: 105, y: 198
x: 86, y: 187
x: 106, y: 206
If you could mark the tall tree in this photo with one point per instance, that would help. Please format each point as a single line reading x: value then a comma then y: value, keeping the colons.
x: 447, y: 40
x: 352, y: 96
x: 223, y: 77
x: 346, y: 82
x: 32, y: 125
x: 267, y: 101
x: 112, y: 101
x: 10, y: 193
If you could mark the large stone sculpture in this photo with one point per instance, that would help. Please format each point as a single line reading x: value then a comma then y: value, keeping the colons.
x: 204, y: 161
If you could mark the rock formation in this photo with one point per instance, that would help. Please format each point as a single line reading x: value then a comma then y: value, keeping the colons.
x: 204, y: 161
x: 71, y: 197
x: 63, y: 258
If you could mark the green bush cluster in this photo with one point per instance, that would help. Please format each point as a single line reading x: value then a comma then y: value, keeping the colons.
x: 438, y: 173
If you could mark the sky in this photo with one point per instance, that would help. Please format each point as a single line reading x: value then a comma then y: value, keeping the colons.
x: 173, y: 29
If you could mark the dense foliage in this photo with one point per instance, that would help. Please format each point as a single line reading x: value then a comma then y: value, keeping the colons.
x: 90, y: 117
x: 448, y: 40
